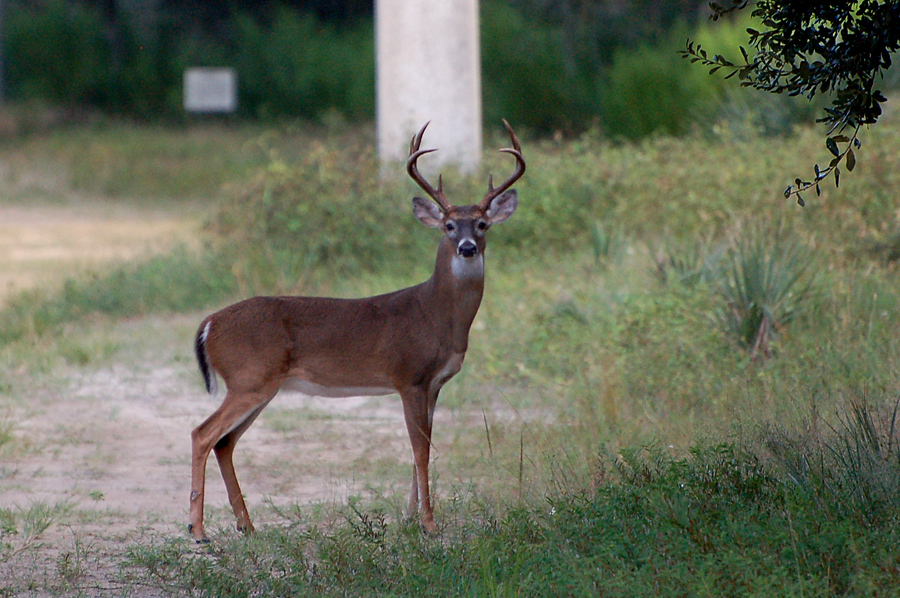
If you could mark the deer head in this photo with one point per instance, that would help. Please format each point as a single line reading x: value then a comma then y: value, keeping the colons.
x: 465, y: 226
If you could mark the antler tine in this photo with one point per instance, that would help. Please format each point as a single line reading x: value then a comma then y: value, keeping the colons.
x: 414, y: 153
x: 515, y: 151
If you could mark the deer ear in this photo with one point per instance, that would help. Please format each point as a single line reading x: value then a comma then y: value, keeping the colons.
x: 503, y: 206
x: 427, y: 212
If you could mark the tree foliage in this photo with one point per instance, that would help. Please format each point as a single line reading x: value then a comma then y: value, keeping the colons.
x: 836, y: 47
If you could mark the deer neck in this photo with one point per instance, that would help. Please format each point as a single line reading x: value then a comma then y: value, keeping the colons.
x: 455, y: 289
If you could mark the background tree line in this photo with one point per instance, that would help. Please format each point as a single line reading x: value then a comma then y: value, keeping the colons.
x: 549, y: 65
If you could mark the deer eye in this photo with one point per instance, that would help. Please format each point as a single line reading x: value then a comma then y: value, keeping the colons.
x: 481, y: 225
x: 450, y: 226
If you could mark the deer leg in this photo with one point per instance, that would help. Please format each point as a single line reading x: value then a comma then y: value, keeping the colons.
x: 233, y: 412
x: 224, y: 450
x: 418, y: 425
x: 412, y: 508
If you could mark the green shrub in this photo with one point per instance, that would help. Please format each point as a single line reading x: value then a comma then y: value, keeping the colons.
x: 56, y: 52
x: 526, y: 77
x: 299, y: 66
x: 329, y: 211
x: 652, y: 90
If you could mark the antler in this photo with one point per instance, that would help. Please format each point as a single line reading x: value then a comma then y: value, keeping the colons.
x: 516, y: 151
x: 414, y: 152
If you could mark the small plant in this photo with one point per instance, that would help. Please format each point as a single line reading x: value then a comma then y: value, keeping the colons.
x: 887, y: 249
x: 606, y: 243
x: 764, y: 285
x: 690, y: 263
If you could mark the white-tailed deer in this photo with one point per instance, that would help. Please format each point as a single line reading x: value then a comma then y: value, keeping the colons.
x: 408, y: 342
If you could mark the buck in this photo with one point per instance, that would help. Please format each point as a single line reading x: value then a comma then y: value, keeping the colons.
x: 409, y: 342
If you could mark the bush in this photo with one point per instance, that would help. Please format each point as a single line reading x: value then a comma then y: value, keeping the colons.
x: 526, y: 77
x: 651, y: 90
x: 292, y: 64
x: 329, y: 210
x: 56, y: 53
x: 299, y: 66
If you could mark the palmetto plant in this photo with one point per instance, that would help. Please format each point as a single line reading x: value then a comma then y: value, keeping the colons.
x: 764, y: 282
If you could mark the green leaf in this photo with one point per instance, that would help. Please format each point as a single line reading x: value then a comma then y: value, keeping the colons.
x: 831, y: 144
x: 851, y: 160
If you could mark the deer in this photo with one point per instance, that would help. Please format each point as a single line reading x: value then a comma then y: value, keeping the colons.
x: 409, y: 342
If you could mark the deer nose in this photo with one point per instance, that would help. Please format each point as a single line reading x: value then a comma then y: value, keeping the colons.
x: 467, y: 248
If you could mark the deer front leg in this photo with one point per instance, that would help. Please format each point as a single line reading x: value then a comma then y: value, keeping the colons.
x: 418, y: 425
x: 412, y: 508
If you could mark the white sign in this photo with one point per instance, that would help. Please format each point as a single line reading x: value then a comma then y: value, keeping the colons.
x: 210, y: 90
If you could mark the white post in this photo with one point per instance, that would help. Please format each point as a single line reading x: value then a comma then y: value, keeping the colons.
x: 428, y: 68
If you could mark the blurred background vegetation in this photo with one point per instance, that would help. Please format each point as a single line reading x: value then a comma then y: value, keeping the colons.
x: 549, y: 66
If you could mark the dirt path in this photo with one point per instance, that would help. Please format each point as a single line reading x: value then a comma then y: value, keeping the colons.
x: 40, y: 244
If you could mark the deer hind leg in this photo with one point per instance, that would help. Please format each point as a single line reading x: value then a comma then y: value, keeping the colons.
x: 235, y: 414
x: 418, y: 424
x: 224, y: 450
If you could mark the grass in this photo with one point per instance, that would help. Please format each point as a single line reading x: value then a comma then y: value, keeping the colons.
x: 717, y: 520
x: 609, y: 434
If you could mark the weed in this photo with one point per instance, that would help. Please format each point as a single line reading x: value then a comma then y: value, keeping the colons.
x: 850, y: 468
x: 606, y: 244
x: 718, y: 518
x: 21, y: 528
x: 689, y: 263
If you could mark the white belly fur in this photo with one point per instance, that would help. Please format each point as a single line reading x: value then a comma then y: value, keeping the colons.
x: 317, y: 390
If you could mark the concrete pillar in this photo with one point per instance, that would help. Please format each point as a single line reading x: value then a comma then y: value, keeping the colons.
x: 428, y: 68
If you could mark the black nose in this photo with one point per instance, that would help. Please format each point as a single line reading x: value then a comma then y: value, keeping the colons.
x: 467, y: 249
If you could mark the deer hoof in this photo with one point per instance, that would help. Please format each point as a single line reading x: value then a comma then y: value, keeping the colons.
x: 429, y: 527
x: 245, y: 529
x: 201, y: 540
